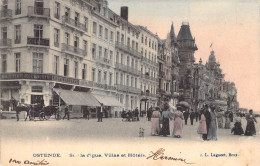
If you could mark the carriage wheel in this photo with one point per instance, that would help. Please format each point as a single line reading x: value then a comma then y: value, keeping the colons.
x: 47, y: 117
x: 42, y: 116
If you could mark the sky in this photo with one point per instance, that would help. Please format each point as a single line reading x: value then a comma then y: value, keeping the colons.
x: 233, y: 27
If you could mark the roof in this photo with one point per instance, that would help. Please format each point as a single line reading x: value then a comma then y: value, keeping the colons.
x: 184, y: 33
x: 172, y: 35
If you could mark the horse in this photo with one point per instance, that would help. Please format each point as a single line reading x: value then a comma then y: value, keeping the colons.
x: 26, y: 108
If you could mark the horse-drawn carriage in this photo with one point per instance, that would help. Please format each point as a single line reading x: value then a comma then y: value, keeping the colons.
x: 128, y: 116
x: 37, y: 110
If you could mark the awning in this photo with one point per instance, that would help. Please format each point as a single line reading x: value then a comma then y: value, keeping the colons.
x: 77, y: 98
x: 108, y: 100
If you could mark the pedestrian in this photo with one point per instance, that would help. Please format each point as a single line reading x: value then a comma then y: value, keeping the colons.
x: 177, y: 123
x: 164, y: 119
x: 155, y: 121
x: 231, y: 116
x: 149, y: 113
x: 136, y: 113
x: 17, y: 112
x: 196, y: 115
x: 87, y: 113
x: 219, y: 114
x: 101, y: 112
x: 250, y: 127
x: 192, y: 116
x: 67, y: 113
x: 98, y: 114
x: 237, y: 129
x: 212, y: 132
x: 186, y: 116
x: 202, y: 129
x: 227, y: 120
x: 208, y: 119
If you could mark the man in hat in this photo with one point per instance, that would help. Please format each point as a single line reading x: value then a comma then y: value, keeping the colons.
x: 67, y: 113
x: 208, y: 119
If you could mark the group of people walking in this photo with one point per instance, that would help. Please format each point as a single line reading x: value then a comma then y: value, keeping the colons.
x: 208, y: 124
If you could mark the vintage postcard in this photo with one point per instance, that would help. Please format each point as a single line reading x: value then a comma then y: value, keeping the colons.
x: 129, y: 82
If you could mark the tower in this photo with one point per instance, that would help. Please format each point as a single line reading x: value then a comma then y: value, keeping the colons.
x: 187, y: 47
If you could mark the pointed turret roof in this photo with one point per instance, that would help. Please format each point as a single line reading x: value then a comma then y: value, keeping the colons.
x: 185, y: 33
x: 172, y: 34
x: 212, y: 57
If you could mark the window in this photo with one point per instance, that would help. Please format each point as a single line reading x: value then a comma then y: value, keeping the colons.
x: 100, y: 30
x: 142, y: 38
x: 111, y: 36
x: 136, y: 46
x: 4, y: 63
x: 76, y: 41
x: 18, y: 7
x: 75, y: 69
x: 37, y: 62
x: 118, y: 37
x: 38, y: 30
x: 57, y: 10
x: 4, y: 32
x: 121, y: 79
x: 56, y: 37
x: 111, y: 56
x: 105, y: 53
x: 99, y: 76
x: 106, y: 34
x: 127, y: 80
x: 67, y: 12
x: 128, y: 42
x: 122, y: 39
x: 149, y: 42
x: 86, y: 23
x: 94, y: 50
x: 122, y: 59
x: 117, y: 57
x: 105, y: 77
x: 67, y: 38
x: 110, y: 78
x: 133, y: 44
x: 116, y: 78
x: 66, y: 67
x: 93, y: 74
x: 100, y: 52
x: 132, y: 81
x: 5, y: 4
x: 17, y: 62
x: 94, y: 28
x: 56, y: 64
x: 127, y: 60
x: 17, y: 34
x: 145, y: 40
x: 85, y: 46
x: 84, y: 71
x: 76, y: 18
x: 135, y: 82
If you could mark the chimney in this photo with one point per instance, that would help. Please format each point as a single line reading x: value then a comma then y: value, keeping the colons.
x: 124, y: 12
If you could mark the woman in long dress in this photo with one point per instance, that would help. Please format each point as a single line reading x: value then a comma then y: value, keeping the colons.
x: 155, y: 121
x: 164, y: 119
x: 212, y: 134
x: 219, y: 114
x: 177, y: 123
x: 202, y: 129
x: 250, y: 127
x: 227, y: 120
x: 237, y: 129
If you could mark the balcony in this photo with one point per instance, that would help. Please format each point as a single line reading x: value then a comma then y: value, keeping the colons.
x: 5, y: 43
x: 103, y: 86
x: 147, y: 76
x: 38, y: 12
x: 35, y: 41
x: 103, y: 60
x: 127, y: 69
x: 148, y: 94
x: 73, y: 50
x: 128, y: 49
x: 144, y: 59
x: 74, y: 24
x: 6, y: 14
x: 129, y: 89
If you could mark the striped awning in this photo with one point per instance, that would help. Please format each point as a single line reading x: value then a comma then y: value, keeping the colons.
x: 108, y: 100
x: 77, y: 98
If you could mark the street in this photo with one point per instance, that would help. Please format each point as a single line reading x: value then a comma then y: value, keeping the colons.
x: 112, y: 137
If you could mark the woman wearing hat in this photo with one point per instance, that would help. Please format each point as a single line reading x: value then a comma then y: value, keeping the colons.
x: 166, y: 115
x: 177, y: 123
x: 250, y: 127
x: 155, y: 121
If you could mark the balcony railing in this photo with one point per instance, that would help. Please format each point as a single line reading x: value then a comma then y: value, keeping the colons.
x: 38, y: 12
x: 38, y: 41
x: 130, y: 89
x: 5, y: 42
x: 102, y: 60
x: 148, y: 77
x: 74, y: 50
x: 149, y: 61
x: 6, y: 14
x: 128, y: 69
x: 128, y: 49
x: 148, y: 94
x: 74, y: 23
